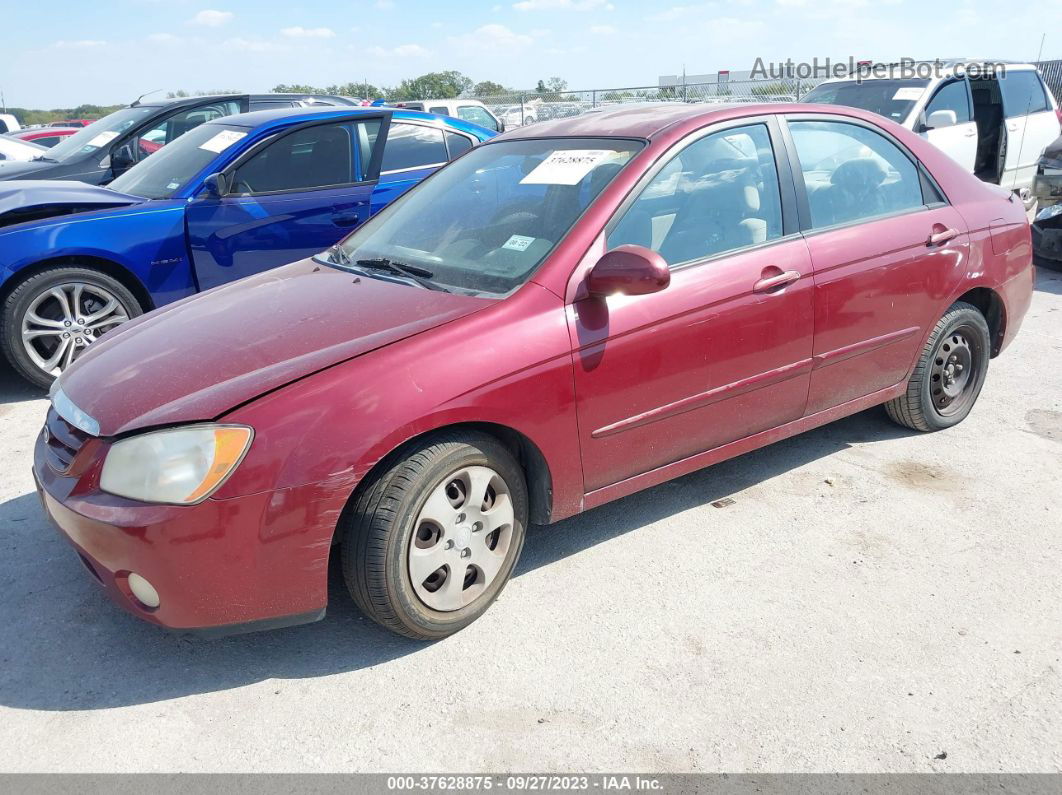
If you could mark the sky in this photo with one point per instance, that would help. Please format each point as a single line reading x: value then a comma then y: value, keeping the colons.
x: 66, y: 53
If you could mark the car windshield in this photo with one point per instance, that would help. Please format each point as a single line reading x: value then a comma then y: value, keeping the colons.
x: 98, y: 134
x: 175, y: 165
x: 484, y: 223
x: 892, y: 99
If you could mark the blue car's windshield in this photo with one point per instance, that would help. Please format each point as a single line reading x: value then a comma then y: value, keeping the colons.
x: 98, y: 134
x: 485, y: 222
x: 170, y: 169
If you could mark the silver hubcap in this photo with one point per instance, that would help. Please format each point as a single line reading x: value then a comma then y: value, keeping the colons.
x: 63, y: 321
x: 461, y: 538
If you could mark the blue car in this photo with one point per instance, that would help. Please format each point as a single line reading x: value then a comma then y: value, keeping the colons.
x: 229, y: 198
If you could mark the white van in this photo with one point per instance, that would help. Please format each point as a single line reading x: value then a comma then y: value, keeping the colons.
x: 468, y: 109
x: 8, y: 124
x: 996, y: 123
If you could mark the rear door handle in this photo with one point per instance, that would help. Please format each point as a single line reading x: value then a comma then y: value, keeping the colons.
x: 346, y: 220
x: 774, y: 282
x: 937, y: 238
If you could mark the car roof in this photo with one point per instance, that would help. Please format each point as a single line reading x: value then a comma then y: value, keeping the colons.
x: 281, y: 117
x: 949, y: 66
x: 643, y: 120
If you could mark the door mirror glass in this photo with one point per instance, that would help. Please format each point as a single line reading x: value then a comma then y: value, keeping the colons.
x: 941, y: 118
x: 629, y: 270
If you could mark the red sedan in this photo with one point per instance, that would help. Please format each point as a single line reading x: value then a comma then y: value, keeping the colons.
x: 564, y: 315
x: 45, y: 136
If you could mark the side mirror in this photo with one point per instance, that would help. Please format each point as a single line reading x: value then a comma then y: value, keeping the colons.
x: 215, y: 186
x: 501, y: 126
x: 629, y: 270
x: 122, y: 159
x: 941, y: 118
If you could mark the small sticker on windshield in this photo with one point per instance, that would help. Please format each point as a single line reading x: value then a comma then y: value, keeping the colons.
x: 103, y: 139
x: 222, y: 141
x: 909, y: 94
x: 518, y: 242
x: 173, y: 186
x: 566, y: 166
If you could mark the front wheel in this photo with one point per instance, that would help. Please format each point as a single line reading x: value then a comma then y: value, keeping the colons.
x: 429, y: 542
x: 49, y: 319
x: 949, y: 375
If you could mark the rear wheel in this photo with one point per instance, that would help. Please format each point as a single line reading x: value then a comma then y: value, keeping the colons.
x: 52, y: 317
x: 430, y: 541
x: 949, y: 375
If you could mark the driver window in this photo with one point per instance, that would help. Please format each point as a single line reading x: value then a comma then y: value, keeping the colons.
x: 718, y: 194
x: 852, y: 173
x: 313, y: 157
x: 173, y: 127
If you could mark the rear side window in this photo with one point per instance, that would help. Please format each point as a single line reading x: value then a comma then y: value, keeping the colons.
x: 1023, y: 92
x: 314, y: 157
x: 457, y: 144
x: 477, y: 115
x: 952, y: 96
x: 413, y: 146
x: 853, y: 173
x: 442, y: 110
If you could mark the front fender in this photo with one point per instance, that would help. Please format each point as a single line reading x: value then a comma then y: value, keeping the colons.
x: 146, y: 240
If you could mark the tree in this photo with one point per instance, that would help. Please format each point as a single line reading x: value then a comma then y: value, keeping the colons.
x: 555, y: 85
x: 434, y: 85
x: 488, y: 88
x: 363, y: 90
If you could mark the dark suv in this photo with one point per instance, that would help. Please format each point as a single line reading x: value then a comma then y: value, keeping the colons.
x: 111, y: 146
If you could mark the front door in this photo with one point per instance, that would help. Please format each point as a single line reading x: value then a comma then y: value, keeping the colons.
x: 1031, y: 125
x: 886, y: 249
x: 291, y: 198
x: 725, y: 350
x: 959, y: 140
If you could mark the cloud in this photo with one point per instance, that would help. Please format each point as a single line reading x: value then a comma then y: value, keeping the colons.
x: 491, y: 38
x: 211, y: 19
x: 163, y: 38
x: 240, y: 44
x: 603, y: 30
x: 80, y: 44
x: 401, y: 51
x: 563, y: 5
x: 299, y: 32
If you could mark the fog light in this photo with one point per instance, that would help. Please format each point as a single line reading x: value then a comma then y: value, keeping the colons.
x: 143, y: 590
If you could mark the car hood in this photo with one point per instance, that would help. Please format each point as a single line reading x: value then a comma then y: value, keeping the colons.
x: 1054, y: 151
x: 198, y: 358
x: 31, y: 200
x: 24, y: 169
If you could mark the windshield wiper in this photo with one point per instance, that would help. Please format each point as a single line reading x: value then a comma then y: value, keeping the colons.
x: 338, y: 255
x: 417, y: 274
x: 44, y: 159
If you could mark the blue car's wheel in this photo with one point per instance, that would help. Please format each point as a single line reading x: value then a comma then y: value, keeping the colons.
x: 53, y: 316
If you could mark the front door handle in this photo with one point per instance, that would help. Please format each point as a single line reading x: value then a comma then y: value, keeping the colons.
x: 774, y: 282
x: 346, y: 220
x: 943, y: 236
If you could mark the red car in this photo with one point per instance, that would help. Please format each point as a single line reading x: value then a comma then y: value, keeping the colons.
x: 564, y: 315
x: 71, y: 123
x: 45, y: 136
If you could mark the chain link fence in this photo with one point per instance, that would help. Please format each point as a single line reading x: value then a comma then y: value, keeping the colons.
x: 520, y: 108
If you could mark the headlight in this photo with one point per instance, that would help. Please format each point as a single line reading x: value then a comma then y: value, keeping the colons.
x: 182, y: 466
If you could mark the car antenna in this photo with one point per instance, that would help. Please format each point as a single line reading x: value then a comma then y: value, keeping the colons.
x: 149, y: 93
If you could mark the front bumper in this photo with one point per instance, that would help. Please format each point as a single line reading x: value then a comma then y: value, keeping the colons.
x: 1047, y: 188
x: 1047, y: 233
x: 219, y: 567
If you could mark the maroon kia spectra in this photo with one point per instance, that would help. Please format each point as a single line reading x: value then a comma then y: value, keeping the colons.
x: 564, y: 315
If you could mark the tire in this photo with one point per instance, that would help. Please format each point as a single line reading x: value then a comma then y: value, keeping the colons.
x: 93, y: 289
x: 412, y: 515
x: 932, y: 402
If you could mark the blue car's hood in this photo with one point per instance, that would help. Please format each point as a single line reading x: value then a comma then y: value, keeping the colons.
x: 30, y: 200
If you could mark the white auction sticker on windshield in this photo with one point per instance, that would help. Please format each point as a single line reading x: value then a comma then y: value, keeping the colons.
x: 103, y: 139
x: 518, y: 242
x: 222, y: 141
x: 909, y: 94
x: 566, y: 166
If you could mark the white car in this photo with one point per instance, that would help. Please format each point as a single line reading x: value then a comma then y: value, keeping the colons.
x: 14, y: 149
x: 471, y: 110
x: 995, y: 124
x: 8, y: 123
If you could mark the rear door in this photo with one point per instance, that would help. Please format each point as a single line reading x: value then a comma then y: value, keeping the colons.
x: 412, y: 152
x: 886, y: 249
x: 1031, y: 125
x: 291, y: 197
x: 725, y: 350
x: 958, y: 141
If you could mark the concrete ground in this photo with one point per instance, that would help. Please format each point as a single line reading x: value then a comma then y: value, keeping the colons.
x: 873, y: 600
